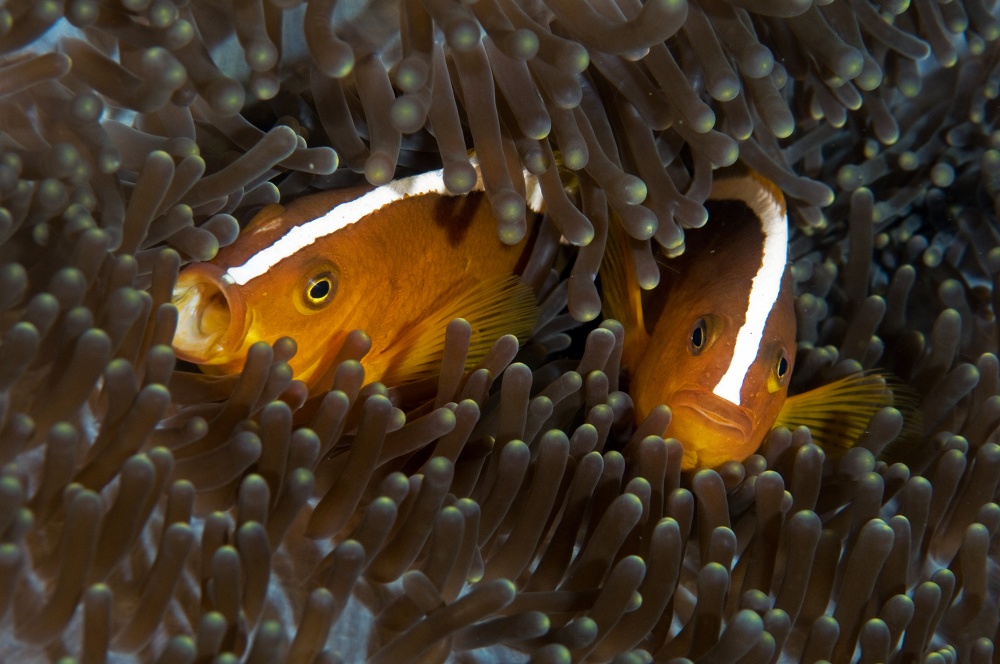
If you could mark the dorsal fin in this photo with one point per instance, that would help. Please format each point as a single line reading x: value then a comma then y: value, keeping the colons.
x: 264, y: 216
x: 622, y: 296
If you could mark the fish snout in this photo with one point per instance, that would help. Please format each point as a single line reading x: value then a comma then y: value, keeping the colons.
x: 211, y: 315
x: 712, y: 430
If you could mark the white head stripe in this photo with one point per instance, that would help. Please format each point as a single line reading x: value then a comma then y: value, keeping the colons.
x: 353, y: 211
x: 766, y: 284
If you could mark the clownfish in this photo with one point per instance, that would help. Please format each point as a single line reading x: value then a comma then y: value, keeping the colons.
x: 715, y: 341
x: 399, y: 261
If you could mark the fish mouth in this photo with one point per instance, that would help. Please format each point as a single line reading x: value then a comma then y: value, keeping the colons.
x: 712, y: 410
x: 211, y: 315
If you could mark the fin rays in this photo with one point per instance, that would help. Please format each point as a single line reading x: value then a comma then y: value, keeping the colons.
x: 838, y: 413
x: 622, y: 295
x: 493, y: 307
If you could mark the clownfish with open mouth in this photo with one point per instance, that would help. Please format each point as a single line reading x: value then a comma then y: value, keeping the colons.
x: 399, y: 261
x: 720, y: 349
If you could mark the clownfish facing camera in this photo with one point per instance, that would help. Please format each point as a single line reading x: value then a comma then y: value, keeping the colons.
x: 719, y: 345
x: 399, y: 261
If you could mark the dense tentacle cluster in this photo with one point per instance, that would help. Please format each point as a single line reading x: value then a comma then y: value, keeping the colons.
x: 148, y: 512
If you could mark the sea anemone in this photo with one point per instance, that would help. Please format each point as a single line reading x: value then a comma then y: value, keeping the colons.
x: 149, y: 512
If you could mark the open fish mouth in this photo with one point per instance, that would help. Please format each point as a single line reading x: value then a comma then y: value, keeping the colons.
x: 211, y: 315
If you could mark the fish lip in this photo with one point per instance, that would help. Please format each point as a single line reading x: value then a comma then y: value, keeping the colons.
x: 709, y: 406
x: 191, y: 342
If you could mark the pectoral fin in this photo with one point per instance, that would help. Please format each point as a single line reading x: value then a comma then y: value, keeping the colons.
x: 839, y: 412
x: 493, y: 307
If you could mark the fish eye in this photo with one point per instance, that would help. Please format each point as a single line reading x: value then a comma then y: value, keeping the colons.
x: 782, y: 368
x: 320, y: 290
x: 699, y: 337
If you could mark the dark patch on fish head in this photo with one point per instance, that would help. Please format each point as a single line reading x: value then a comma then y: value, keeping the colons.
x: 456, y: 214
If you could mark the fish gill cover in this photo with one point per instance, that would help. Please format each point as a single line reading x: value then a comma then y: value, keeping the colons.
x: 150, y: 513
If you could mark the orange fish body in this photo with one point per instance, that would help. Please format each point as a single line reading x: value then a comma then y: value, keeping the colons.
x: 399, y: 262
x: 719, y: 346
